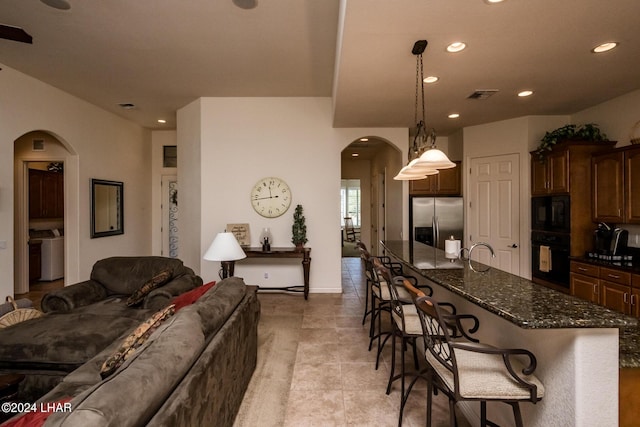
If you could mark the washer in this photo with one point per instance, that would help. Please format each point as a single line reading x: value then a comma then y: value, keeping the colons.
x: 52, y: 258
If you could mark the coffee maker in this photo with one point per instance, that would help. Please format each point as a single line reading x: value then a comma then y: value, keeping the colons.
x: 619, y: 240
x: 602, y: 239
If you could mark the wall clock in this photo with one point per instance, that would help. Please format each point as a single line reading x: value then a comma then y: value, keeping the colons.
x: 271, y: 197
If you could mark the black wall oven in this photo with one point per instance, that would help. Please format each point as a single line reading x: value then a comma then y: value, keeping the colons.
x: 551, y: 239
x: 551, y: 213
x: 556, y: 270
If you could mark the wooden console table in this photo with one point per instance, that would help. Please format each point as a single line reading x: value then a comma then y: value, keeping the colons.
x: 305, y: 254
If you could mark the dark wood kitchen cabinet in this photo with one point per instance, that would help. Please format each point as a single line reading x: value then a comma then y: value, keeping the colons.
x: 46, y: 194
x: 608, y: 286
x: 607, y: 187
x: 446, y: 183
x: 584, y: 282
x: 550, y: 175
x: 616, y: 186
x: 632, y: 185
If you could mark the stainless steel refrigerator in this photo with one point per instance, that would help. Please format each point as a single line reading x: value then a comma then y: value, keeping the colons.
x: 436, y: 219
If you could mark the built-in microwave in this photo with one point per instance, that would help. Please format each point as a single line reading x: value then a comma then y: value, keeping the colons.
x: 551, y: 213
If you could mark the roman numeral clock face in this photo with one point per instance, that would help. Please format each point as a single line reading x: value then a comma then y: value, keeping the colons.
x: 271, y: 197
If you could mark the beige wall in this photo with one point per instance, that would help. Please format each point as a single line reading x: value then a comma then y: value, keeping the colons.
x: 245, y: 139
x: 102, y: 145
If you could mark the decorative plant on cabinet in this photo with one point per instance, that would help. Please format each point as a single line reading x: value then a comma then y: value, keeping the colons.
x: 299, y: 229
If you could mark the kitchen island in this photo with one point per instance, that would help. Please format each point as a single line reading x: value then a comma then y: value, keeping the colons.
x: 575, y: 341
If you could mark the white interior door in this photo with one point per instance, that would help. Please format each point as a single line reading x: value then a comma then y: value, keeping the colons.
x: 494, y: 210
x: 170, y: 226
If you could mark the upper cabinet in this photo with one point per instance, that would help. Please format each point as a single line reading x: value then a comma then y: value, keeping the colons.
x: 446, y: 183
x: 565, y: 169
x: 550, y: 175
x: 616, y: 186
x: 46, y: 194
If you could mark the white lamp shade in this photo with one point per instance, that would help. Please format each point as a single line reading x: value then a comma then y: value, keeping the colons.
x: 224, y: 247
x: 435, y: 158
x: 416, y: 167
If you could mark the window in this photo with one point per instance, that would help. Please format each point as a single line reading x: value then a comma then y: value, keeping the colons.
x: 170, y: 156
x: 350, y: 201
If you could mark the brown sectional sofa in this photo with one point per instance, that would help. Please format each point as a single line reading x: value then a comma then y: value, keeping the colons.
x: 192, y: 370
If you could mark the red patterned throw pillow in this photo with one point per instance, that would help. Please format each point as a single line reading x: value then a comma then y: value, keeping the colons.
x: 156, y: 281
x: 192, y: 296
x: 135, y: 340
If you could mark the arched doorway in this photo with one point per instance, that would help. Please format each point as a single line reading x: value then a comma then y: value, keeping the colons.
x: 44, y: 166
x: 371, y: 162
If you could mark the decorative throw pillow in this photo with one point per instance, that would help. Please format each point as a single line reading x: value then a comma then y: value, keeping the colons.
x: 39, y: 415
x: 156, y: 281
x: 192, y: 296
x: 135, y: 340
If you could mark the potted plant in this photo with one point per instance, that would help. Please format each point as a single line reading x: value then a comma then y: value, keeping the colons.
x: 299, y: 229
x: 587, y: 132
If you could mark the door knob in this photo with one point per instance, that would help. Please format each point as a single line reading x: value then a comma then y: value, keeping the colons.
x: 515, y: 245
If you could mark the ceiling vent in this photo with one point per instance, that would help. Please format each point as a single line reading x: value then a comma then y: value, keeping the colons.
x: 38, y: 145
x: 483, y: 93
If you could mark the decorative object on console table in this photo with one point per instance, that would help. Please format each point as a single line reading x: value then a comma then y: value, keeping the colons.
x: 266, y: 238
x: 299, y: 229
x: 225, y: 248
x: 242, y: 233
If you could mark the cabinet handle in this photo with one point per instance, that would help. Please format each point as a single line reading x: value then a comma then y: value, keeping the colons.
x: 633, y: 299
x: 613, y: 276
x: 595, y: 289
x: 582, y: 269
x: 625, y: 298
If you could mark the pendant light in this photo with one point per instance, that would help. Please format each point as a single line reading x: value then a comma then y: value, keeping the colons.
x: 425, y: 158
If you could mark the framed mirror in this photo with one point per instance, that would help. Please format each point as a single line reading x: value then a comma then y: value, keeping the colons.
x: 107, y: 208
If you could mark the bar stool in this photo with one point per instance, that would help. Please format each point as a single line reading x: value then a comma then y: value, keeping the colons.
x: 471, y: 372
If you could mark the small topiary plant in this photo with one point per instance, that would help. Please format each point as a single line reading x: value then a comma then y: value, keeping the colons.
x: 299, y: 228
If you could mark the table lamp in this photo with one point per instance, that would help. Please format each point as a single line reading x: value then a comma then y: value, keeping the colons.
x: 226, y: 249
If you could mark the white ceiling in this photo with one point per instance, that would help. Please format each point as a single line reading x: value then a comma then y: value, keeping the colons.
x: 160, y: 55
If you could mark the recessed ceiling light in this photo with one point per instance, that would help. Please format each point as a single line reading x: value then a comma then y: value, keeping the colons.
x: 604, y: 47
x: 127, y: 105
x: 525, y: 93
x: 57, y: 4
x: 456, y: 47
x: 453, y: 115
x: 493, y: 1
x: 162, y: 121
x: 354, y: 154
x: 431, y: 79
x: 364, y: 139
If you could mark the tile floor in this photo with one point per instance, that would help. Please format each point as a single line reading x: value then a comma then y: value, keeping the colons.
x: 334, y: 380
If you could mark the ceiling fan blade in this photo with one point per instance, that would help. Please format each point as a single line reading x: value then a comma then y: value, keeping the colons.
x: 15, y: 33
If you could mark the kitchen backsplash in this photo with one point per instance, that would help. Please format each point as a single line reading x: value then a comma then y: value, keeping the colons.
x: 634, y: 234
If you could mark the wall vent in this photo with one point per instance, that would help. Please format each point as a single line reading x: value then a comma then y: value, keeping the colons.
x: 38, y: 145
x: 483, y: 93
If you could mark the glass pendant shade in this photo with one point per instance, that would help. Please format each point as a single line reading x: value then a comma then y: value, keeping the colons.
x: 416, y: 166
x: 435, y: 159
x: 408, y: 173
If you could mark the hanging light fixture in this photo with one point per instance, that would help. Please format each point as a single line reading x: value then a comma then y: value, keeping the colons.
x: 424, y: 158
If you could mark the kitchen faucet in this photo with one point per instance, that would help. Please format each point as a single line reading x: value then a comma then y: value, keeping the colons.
x: 470, y: 250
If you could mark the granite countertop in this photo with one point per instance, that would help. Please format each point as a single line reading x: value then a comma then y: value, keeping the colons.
x: 518, y: 300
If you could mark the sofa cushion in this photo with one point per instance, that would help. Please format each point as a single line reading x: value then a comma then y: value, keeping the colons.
x: 135, y: 340
x: 216, y: 305
x: 45, y: 342
x: 156, y: 281
x: 124, y: 275
x: 192, y: 296
x: 134, y: 392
